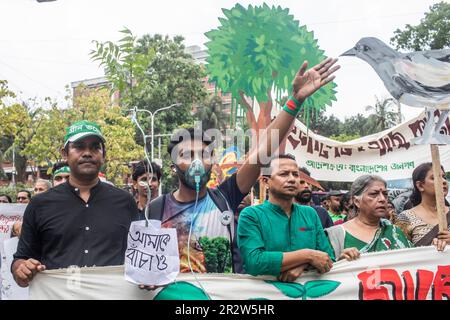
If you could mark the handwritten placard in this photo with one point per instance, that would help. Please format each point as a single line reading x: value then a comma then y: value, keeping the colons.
x: 9, y: 289
x: 152, y: 256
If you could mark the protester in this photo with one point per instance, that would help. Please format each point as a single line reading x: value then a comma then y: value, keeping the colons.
x: 142, y: 174
x: 280, y: 237
x: 391, y: 214
x: 41, y: 186
x: 246, y: 202
x: 324, y: 203
x: 334, y: 206
x: 23, y: 196
x: 346, y: 206
x: 60, y: 173
x: 4, y: 198
x: 83, y: 222
x: 368, y: 231
x: 304, y: 196
x: 420, y: 223
x: 205, y: 216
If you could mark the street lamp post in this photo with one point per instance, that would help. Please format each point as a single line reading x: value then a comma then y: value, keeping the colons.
x: 152, y: 117
x: 152, y: 122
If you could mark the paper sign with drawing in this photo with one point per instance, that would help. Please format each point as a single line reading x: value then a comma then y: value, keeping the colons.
x: 152, y: 256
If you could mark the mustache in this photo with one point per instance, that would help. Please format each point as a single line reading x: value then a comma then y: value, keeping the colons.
x: 304, y: 192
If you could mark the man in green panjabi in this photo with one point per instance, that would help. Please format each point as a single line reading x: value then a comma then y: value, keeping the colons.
x: 280, y: 237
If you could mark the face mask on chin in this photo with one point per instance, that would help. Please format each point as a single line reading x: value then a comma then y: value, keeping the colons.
x: 195, y: 177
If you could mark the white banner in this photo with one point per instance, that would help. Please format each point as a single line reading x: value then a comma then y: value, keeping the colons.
x: 9, y: 213
x: 389, y: 154
x: 407, y: 274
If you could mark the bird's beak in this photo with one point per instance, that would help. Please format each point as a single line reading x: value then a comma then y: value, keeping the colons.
x: 351, y: 52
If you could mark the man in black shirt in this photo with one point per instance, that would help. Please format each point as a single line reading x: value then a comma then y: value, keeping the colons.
x: 82, y: 222
x: 304, y: 195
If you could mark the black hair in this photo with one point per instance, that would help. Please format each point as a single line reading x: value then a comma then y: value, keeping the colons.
x: 305, y: 171
x: 192, y: 134
x: 58, y: 165
x: 7, y: 197
x: 143, y: 167
x: 419, y: 174
x: 275, y: 157
x: 26, y: 191
x: 345, y: 199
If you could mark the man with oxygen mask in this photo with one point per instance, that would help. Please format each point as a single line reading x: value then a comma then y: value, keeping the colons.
x: 203, y: 217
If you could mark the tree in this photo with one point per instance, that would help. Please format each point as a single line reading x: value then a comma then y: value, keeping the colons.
x: 211, y: 114
x: 383, y: 115
x: 433, y: 32
x: 150, y: 73
x: 357, y: 125
x: 19, y: 122
x: 93, y: 105
x: 345, y: 137
x: 259, y: 50
x: 126, y: 69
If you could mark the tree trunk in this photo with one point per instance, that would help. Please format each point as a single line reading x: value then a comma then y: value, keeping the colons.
x: 21, y: 168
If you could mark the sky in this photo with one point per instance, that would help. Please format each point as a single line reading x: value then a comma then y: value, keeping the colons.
x: 45, y: 46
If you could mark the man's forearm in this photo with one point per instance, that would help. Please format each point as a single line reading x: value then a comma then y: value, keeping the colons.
x: 295, y: 258
x: 271, y: 138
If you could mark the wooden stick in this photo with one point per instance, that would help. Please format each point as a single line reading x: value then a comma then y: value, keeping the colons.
x: 438, y: 187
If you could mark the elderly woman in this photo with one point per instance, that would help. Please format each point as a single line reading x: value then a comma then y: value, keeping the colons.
x: 420, y: 223
x: 368, y: 231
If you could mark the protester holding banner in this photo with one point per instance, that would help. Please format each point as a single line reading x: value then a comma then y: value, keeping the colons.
x: 204, y: 217
x: 83, y: 222
x: 420, y: 223
x: 280, y: 237
x: 368, y: 231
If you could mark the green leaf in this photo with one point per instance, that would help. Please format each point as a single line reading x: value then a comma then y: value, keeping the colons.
x: 290, y: 289
x: 320, y: 288
x: 181, y: 291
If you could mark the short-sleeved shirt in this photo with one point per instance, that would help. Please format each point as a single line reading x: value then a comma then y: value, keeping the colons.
x: 265, y: 232
x: 60, y: 229
x: 211, y: 241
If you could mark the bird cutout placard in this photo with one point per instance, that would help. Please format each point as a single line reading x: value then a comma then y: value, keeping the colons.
x: 418, y: 79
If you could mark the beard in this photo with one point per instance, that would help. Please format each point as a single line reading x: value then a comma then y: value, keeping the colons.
x: 304, y: 196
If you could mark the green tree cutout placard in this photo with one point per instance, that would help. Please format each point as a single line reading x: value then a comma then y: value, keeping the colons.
x: 257, y: 51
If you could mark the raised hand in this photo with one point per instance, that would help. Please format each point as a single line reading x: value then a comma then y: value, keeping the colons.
x: 307, y: 82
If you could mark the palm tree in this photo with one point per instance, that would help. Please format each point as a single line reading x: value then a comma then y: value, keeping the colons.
x: 383, y: 114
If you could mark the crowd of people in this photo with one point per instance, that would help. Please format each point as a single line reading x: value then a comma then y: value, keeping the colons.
x: 84, y: 221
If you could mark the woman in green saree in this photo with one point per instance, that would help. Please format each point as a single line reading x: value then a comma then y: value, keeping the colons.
x: 368, y: 231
